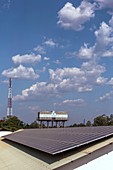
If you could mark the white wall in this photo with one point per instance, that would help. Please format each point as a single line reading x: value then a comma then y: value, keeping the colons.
x: 3, y: 133
x: 104, y: 162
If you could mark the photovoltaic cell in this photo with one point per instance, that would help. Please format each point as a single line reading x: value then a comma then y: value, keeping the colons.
x: 57, y: 140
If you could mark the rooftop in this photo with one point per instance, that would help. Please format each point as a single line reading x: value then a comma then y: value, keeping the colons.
x: 58, y: 140
x: 63, y: 148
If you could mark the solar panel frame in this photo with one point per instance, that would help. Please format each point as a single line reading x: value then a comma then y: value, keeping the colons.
x: 58, y: 140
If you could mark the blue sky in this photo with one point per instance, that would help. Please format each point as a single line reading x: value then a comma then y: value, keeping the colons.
x: 59, y: 55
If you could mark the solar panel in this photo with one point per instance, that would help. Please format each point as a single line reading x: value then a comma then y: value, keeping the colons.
x: 58, y: 140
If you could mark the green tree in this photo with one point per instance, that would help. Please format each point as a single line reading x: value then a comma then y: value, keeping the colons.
x: 34, y: 125
x: 12, y: 124
x: 81, y: 125
x: 88, y: 123
x: 111, y: 117
x: 74, y: 125
x: 101, y: 120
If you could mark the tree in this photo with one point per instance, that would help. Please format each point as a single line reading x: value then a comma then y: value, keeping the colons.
x: 81, y: 125
x: 34, y: 125
x: 74, y: 125
x: 111, y: 117
x: 12, y: 124
x: 101, y: 120
x: 88, y: 123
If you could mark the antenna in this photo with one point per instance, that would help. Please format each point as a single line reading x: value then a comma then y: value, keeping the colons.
x: 9, y: 108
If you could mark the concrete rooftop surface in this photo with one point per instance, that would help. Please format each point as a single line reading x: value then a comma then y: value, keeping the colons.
x: 12, y: 158
x: 17, y: 151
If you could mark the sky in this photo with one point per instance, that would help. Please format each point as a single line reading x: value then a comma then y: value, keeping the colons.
x: 59, y: 55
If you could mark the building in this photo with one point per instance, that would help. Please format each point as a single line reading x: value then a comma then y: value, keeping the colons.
x: 58, y: 149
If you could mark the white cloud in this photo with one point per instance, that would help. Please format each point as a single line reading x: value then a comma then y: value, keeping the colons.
x: 74, y: 18
x: 105, y: 3
x: 46, y: 58
x: 40, y: 49
x: 108, y: 53
x: 80, y: 79
x: 103, y: 46
x: 66, y: 80
x: 27, y: 58
x: 57, y: 62
x: 37, y: 90
x: 50, y: 43
x: 110, y: 82
x: 60, y: 74
x: 86, y: 52
x: 20, y: 72
x: 104, y: 36
x: 111, y: 22
x: 104, y: 41
x: 77, y: 102
x: 101, y: 80
x: 106, y: 97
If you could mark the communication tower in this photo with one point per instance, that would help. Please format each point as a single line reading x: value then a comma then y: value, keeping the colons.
x: 9, y: 108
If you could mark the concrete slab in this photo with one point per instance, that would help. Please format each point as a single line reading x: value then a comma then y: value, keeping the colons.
x: 12, y: 158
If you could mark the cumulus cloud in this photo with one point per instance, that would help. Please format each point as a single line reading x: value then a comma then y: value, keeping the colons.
x: 37, y: 90
x: 21, y: 72
x: 82, y: 79
x: 108, y: 53
x: 103, y: 46
x: 101, y: 80
x: 74, y: 18
x: 85, y: 52
x: 104, y: 36
x: 50, y: 43
x: 104, y: 41
x: 27, y: 58
x: 110, y: 82
x: 46, y: 58
x: 105, y: 3
x: 111, y: 22
x: 106, y: 97
x: 40, y: 49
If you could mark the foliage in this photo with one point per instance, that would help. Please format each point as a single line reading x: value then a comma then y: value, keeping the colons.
x: 78, y: 125
x: 32, y: 125
x: 81, y: 125
x: 88, y: 123
x: 12, y: 124
x: 101, y: 120
x: 74, y: 125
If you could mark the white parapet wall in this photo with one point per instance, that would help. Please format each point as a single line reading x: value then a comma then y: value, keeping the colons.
x: 3, y: 133
x: 104, y: 162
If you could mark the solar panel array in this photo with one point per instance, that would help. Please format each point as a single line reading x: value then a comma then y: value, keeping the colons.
x: 58, y: 140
